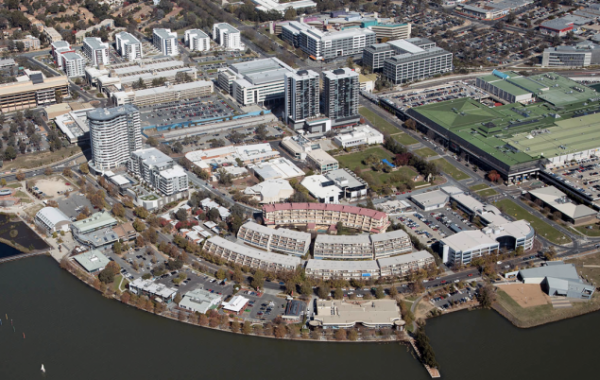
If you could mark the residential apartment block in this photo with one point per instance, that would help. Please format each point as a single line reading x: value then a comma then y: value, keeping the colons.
x: 165, y: 41
x: 227, y: 36
x: 397, y: 266
x: 301, y: 97
x: 321, y: 45
x: 277, y: 240
x: 196, y: 40
x: 247, y: 256
x: 340, y: 96
x: 29, y: 42
x: 344, y: 247
x: 255, y: 82
x: 129, y: 47
x: 115, y: 133
x: 321, y: 214
x: 73, y: 64
x: 158, y: 170
x: 96, y: 51
x: 59, y: 48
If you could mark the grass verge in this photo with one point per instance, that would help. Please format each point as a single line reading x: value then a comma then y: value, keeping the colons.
x: 404, y: 139
x: 447, y: 168
x: 353, y: 160
x: 425, y: 152
x: 541, y: 228
x: 378, y: 122
x: 594, y: 231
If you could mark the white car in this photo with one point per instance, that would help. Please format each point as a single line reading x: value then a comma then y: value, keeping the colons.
x: 359, y: 295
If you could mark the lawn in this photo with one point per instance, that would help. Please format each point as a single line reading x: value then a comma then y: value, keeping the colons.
x: 351, y: 161
x: 447, y: 168
x: 117, y: 281
x: 404, y: 139
x: 30, y: 161
x: 381, y: 177
x: 487, y: 192
x: 481, y: 186
x: 14, y: 185
x: 590, y: 273
x: 539, y: 315
x: 377, y: 121
x: 425, y: 152
x: 594, y: 231
x: 24, y: 197
x: 542, y: 228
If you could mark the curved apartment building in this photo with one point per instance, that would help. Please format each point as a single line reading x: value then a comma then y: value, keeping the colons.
x: 325, y: 214
x: 115, y: 133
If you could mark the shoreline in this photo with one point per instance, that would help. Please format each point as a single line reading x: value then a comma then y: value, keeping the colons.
x: 524, y: 325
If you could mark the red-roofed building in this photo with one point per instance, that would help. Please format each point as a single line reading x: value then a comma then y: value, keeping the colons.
x: 325, y: 214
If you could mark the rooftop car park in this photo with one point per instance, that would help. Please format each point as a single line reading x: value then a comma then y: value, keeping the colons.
x: 453, y: 90
x: 187, y: 110
x: 584, y: 177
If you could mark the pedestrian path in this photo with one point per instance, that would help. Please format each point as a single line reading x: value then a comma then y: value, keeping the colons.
x: 560, y: 302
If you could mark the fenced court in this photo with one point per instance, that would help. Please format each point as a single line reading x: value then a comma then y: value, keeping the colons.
x: 526, y: 295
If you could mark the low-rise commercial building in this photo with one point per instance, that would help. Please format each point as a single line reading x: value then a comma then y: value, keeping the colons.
x: 278, y: 240
x: 278, y: 168
x: 74, y: 125
x: 92, y: 261
x: 200, y: 301
x: 152, y: 289
x: 95, y: 230
x: 294, y: 310
x: 209, y: 159
x: 432, y: 200
x: 321, y: 214
x: 558, y: 279
x: 322, y: 161
x: 236, y: 304
x: 359, y: 135
x: 556, y: 200
x: 274, y: 5
x: 557, y: 27
x: 322, y: 189
x: 352, y: 187
x: 371, y: 314
x: 51, y: 219
x: 582, y: 54
x: 271, y: 191
x: 403, y: 265
x: 253, y: 258
x: 503, y: 86
x: 33, y: 91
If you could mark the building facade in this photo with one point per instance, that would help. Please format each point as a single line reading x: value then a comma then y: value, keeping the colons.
x: 416, y: 59
x: 52, y: 220
x: 115, y: 133
x: 129, y: 47
x: 196, y: 40
x: 360, y: 135
x: 96, y: 51
x: 73, y: 65
x: 301, y: 97
x: 375, y: 55
x: 165, y: 41
x: 390, y: 32
x: 340, y: 96
x: 36, y: 92
x: 163, y: 94
x: 343, y: 247
x: 322, y: 161
x: 403, y: 265
x: 158, y: 170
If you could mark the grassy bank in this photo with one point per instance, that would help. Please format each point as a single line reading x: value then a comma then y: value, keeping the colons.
x: 542, y: 228
x: 404, y: 138
x: 540, y: 315
x: 378, y: 122
x: 447, y: 168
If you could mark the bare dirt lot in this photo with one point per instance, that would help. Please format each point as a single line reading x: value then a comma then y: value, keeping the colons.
x: 52, y: 185
x: 526, y: 295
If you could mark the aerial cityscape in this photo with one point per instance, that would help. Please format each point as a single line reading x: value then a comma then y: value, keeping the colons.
x: 310, y: 171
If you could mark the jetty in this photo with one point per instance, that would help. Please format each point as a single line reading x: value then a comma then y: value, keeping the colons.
x: 433, y: 372
x: 22, y: 256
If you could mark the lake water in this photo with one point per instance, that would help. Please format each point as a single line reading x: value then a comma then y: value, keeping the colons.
x: 78, y: 334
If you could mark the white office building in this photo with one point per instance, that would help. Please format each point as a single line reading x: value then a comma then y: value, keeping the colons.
x: 159, y: 171
x: 322, y: 188
x: 129, y: 47
x: 321, y: 45
x: 255, y: 82
x: 96, y: 51
x: 115, y: 133
x: 52, y: 220
x: 196, y: 40
x: 340, y: 96
x: 73, y: 65
x: 301, y: 97
x: 360, y: 135
x: 227, y: 36
x: 165, y: 41
x: 416, y: 58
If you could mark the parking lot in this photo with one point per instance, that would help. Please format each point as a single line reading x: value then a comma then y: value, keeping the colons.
x: 186, y: 110
x: 584, y: 177
x: 73, y: 205
x: 457, y: 297
x: 453, y: 90
x: 432, y: 226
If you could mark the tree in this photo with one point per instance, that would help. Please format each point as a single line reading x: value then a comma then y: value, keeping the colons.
x: 340, y: 334
x: 393, y: 291
x: 290, y: 14
x: 84, y: 168
x: 338, y: 294
x: 118, y: 210
x: 486, y: 296
x: 3, y: 182
x: 494, y: 176
x: 247, y: 328
x: 48, y: 171
x: 258, y: 279
x: 67, y: 172
x: 20, y: 176
x: 181, y: 215
x: 138, y: 225
x: 106, y: 276
x: 324, y: 291
x: 141, y: 212
x: 152, y: 141
x: 379, y: 293
x: 410, y: 124
x: 177, y: 298
x: 10, y: 153
x: 221, y: 275
x: 350, y: 63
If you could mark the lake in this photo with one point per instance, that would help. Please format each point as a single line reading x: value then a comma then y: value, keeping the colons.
x: 78, y: 334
